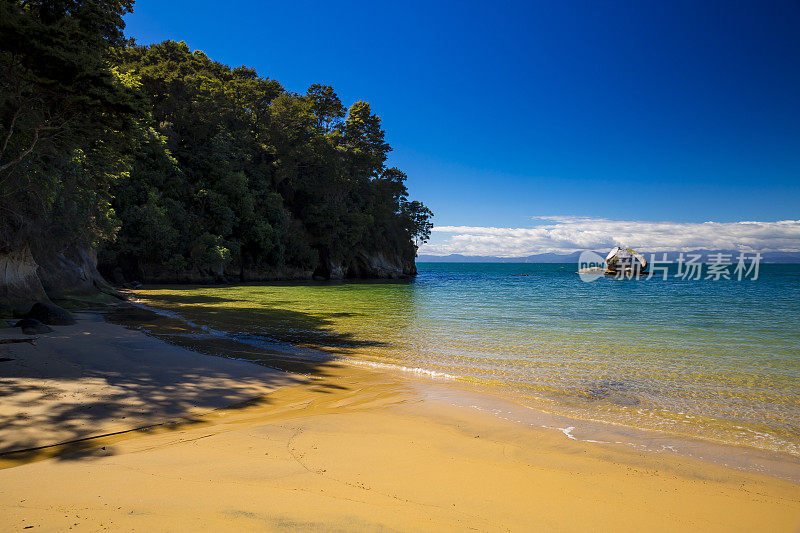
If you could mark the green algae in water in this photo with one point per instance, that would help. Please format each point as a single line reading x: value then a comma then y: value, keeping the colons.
x: 714, y: 359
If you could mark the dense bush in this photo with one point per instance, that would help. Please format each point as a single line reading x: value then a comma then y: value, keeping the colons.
x: 168, y: 160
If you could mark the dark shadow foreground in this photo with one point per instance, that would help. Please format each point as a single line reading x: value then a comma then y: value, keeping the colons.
x: 79, y: 387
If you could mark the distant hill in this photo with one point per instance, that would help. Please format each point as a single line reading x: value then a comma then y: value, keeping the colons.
x: 767, y: 257
x: 538, y: 258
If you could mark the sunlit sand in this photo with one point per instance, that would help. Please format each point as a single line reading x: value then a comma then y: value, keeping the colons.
x: 334, y: 447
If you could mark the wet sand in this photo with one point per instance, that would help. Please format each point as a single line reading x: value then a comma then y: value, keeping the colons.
x: 331, y: 447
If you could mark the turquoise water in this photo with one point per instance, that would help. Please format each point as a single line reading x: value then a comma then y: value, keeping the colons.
x: 651, y: 353
x: 713, y: 359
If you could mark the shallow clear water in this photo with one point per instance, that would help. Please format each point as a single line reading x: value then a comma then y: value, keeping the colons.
x: 713, y: 359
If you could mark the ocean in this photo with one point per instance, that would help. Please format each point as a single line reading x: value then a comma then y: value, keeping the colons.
x: 712, y: 359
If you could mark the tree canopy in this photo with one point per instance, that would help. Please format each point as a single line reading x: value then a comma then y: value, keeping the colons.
x: 169, y: 161
x: 64, y: 110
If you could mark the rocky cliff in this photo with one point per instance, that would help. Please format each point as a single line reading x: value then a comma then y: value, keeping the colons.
x: 29, y: 275
x: 364, y: 265
x: 20, y: 285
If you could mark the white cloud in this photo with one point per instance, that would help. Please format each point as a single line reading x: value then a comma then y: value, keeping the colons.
x: 564, y: 234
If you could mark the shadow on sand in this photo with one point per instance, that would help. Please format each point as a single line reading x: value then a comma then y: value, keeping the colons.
x: 137, y: 387
x: 271, y: 323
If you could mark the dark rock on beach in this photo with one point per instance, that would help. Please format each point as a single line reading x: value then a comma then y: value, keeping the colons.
x: 31, y: 326
x: 48, y: 313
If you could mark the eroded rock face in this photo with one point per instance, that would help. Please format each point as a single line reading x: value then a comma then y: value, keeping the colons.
x: 29, y: 275
x: 71, y: 273
x: 233, y: 274
x: 364, y: 265
x: 380, y: 266
x: 336, y: 271
x: 273, y: 274
x: 20, y: 285
x: 621, y: 259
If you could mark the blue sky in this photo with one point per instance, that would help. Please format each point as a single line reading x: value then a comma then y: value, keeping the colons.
x: 644, y: 111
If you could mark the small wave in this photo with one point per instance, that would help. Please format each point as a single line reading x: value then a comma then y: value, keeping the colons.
x: 744, y: 436
x: 409, y: 369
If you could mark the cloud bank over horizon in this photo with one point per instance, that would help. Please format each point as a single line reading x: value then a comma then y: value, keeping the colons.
x: 565, y: 234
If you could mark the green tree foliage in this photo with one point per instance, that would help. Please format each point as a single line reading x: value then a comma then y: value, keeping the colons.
x: 326, y: 107
x: 240, y: 174
x: 172, y: 162
x: 64, y: 115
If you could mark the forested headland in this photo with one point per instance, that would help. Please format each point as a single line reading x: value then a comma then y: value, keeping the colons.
x: 157, y: 164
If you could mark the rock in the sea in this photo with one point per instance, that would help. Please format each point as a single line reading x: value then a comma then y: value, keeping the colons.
x: 621, y: 259
x: 48, y: 313
x: 31, y: 326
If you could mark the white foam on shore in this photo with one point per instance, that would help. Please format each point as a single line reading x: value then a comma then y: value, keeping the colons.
x: 412, y: 370
x: 680, y: 446
x: 567, y: 431
x: 758, y: 439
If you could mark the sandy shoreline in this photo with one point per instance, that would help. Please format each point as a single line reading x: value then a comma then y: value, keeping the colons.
x: 333, y: 448
x: 96, y: 378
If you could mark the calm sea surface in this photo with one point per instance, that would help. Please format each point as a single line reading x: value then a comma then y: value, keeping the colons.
x: 713, y: 359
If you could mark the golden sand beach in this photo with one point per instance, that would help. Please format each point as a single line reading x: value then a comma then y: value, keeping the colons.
x: 230, y: 445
